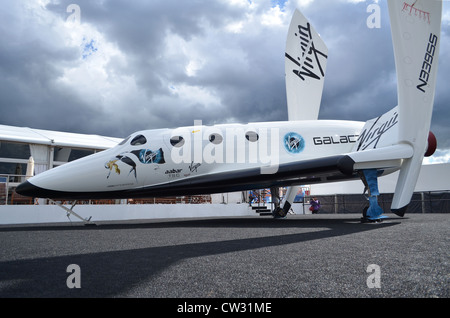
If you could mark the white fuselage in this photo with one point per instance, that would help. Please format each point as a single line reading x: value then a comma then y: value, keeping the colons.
x: 163, y: 156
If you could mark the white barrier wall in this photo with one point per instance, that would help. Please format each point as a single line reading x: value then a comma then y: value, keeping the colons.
x: 23, y: 214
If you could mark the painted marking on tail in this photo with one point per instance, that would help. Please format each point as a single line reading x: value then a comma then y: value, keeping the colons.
x: 423, y: 15
x: 427, y: 62
x: 309, y: 60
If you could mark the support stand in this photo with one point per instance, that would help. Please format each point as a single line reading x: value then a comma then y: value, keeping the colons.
x: 86, y: 221
x: 374, y: 212
x: 277, y: 211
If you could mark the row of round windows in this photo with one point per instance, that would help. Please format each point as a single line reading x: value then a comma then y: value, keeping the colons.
x: 178, y: 141
x: 215, y: 138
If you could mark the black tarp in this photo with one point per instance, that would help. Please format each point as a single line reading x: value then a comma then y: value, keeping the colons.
x: 421, y: 202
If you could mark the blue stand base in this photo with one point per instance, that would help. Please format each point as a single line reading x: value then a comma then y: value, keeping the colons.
x: 374, y: 212
x: 377, y: 219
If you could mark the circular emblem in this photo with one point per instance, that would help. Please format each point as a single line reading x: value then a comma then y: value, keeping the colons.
x: 294, y: 143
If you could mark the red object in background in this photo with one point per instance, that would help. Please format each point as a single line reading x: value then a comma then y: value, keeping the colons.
x: 432, y: 144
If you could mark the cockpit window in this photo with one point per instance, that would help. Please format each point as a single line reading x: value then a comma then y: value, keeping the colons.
x: 138, y: 140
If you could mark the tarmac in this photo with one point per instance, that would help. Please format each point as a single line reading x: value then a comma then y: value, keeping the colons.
x: 302, y: 256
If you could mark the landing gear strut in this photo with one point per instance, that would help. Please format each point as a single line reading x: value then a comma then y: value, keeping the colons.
x: 372, y: 213
x: 277, y: 212
x: 86, y: 221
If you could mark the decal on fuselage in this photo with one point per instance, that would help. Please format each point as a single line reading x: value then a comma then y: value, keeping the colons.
x: 333, y: 140
x: 193, y: 167
x: 145, y: 156
x: 294, y: 143
x: 173, y: 173
x: 374, y: 130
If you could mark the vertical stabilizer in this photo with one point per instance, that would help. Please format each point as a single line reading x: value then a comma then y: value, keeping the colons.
x: 415, y: 26
x: 305, y: 65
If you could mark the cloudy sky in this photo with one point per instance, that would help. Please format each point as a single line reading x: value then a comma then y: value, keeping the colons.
x: 112, y: 67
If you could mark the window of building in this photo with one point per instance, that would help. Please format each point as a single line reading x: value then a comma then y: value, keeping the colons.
x: 79, y: 153
x: 15, y: 156
x: 14, y: 150
x: 10, y: 168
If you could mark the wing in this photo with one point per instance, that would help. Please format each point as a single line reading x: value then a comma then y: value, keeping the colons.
x: 326, y: 169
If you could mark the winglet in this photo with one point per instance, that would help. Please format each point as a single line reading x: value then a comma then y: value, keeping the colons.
x: 416, y: 31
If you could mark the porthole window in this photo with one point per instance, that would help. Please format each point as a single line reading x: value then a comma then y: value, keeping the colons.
x: 138, y: 140
x: 252, y: 136
x: 215, y: 139
x: 177, y: 141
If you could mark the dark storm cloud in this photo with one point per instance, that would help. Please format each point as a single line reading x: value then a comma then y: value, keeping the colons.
x: 139, y: 28
x: 28, y: 96
x: 360, y: 81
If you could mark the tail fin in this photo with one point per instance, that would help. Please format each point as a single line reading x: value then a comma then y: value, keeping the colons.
x: 415, y: 26
x: 305, y: 66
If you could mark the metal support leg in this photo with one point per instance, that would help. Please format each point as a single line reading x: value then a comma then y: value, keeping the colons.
x: 277, y: 211
x: 370, y: 180
x: 70, y: 211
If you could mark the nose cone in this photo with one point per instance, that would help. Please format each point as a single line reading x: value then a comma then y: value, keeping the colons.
x: 85, y: 178
x: 30, y: 190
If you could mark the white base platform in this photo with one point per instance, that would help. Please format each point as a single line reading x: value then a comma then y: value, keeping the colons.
x: 25, y: 214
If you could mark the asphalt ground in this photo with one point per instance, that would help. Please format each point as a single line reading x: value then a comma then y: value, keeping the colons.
x: 303, y: 256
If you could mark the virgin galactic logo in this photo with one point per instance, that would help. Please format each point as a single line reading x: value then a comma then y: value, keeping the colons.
x: 294, y: 143
x: 309, y: 63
